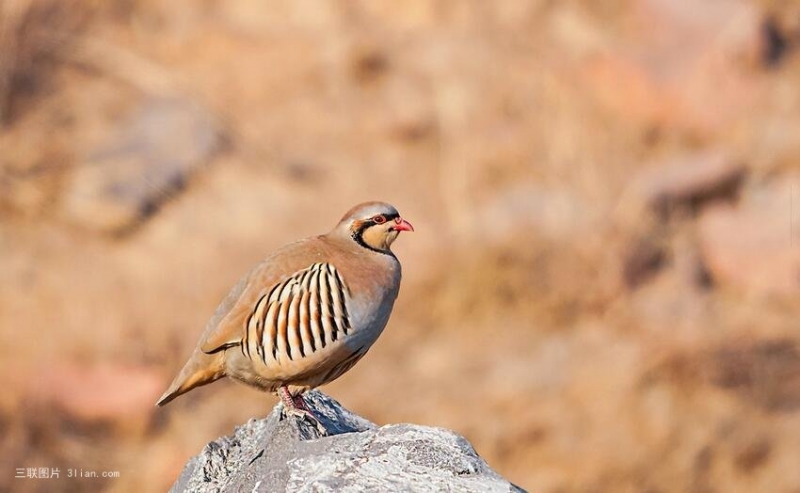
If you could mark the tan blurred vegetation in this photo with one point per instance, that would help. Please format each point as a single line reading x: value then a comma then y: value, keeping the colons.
x: 603, y: 292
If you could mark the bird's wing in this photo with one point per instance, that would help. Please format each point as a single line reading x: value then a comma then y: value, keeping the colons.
x: 290, y: 319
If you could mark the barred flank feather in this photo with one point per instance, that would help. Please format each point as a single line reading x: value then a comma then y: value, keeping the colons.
x: 298, y: 317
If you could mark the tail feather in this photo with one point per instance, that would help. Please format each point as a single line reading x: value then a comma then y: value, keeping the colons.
x: 201, y: 369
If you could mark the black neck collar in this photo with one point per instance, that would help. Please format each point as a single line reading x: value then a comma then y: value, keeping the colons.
x: 358, y: 235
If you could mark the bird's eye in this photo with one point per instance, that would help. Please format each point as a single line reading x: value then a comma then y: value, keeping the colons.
x: 379, y: 219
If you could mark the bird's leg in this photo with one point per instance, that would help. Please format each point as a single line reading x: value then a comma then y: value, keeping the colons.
x: 300, y: 403
x: 296, y: 406
x: 286, y: 397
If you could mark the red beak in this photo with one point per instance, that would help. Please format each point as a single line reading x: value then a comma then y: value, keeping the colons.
x: 401, y: 224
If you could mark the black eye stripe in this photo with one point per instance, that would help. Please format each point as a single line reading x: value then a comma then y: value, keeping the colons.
x: 370, y: 222
x: 387, y: 217
x: 367, y: 223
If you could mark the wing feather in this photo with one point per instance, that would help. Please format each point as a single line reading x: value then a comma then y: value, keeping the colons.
x: 291, y: 319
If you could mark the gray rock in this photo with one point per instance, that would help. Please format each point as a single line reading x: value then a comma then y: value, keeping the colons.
x: 143, y: 162
x: 280, y: 454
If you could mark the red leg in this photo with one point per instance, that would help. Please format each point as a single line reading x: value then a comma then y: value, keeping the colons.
x: 300, y: 403
x: 296, y: 405
x: 286, y: 397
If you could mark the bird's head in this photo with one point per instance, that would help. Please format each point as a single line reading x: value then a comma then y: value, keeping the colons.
x: 374, y: 225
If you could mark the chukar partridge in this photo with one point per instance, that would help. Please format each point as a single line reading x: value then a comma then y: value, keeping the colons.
x: 306, y: 314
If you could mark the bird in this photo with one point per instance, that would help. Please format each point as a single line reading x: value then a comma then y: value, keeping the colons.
x: 306, y: 314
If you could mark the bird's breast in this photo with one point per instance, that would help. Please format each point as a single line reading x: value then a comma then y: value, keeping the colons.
x: 372, y: 290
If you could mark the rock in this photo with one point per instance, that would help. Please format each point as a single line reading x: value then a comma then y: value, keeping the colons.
x: 689, y: 181
x: 146, y: 161
x: 756, y: 246
x: 279, y: 454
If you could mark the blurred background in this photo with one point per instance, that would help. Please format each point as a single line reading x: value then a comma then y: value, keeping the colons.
x: 603, y: 292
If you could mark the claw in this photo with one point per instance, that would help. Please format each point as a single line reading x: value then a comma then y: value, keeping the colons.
x: 305, y: 414
x: 295, y: 406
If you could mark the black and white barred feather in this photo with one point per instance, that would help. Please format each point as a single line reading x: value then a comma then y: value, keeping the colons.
x: 299, y: 316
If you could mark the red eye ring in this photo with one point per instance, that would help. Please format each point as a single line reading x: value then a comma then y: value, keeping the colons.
x: 379, y: 219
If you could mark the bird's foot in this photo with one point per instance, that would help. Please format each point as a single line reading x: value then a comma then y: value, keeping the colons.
x: 296, y: 406
x: 306, y: 414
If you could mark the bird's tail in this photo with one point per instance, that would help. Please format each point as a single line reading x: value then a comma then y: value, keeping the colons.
x: 201, y: 369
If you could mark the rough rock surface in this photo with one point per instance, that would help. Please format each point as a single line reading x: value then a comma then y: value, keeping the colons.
x: 279, y: 454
